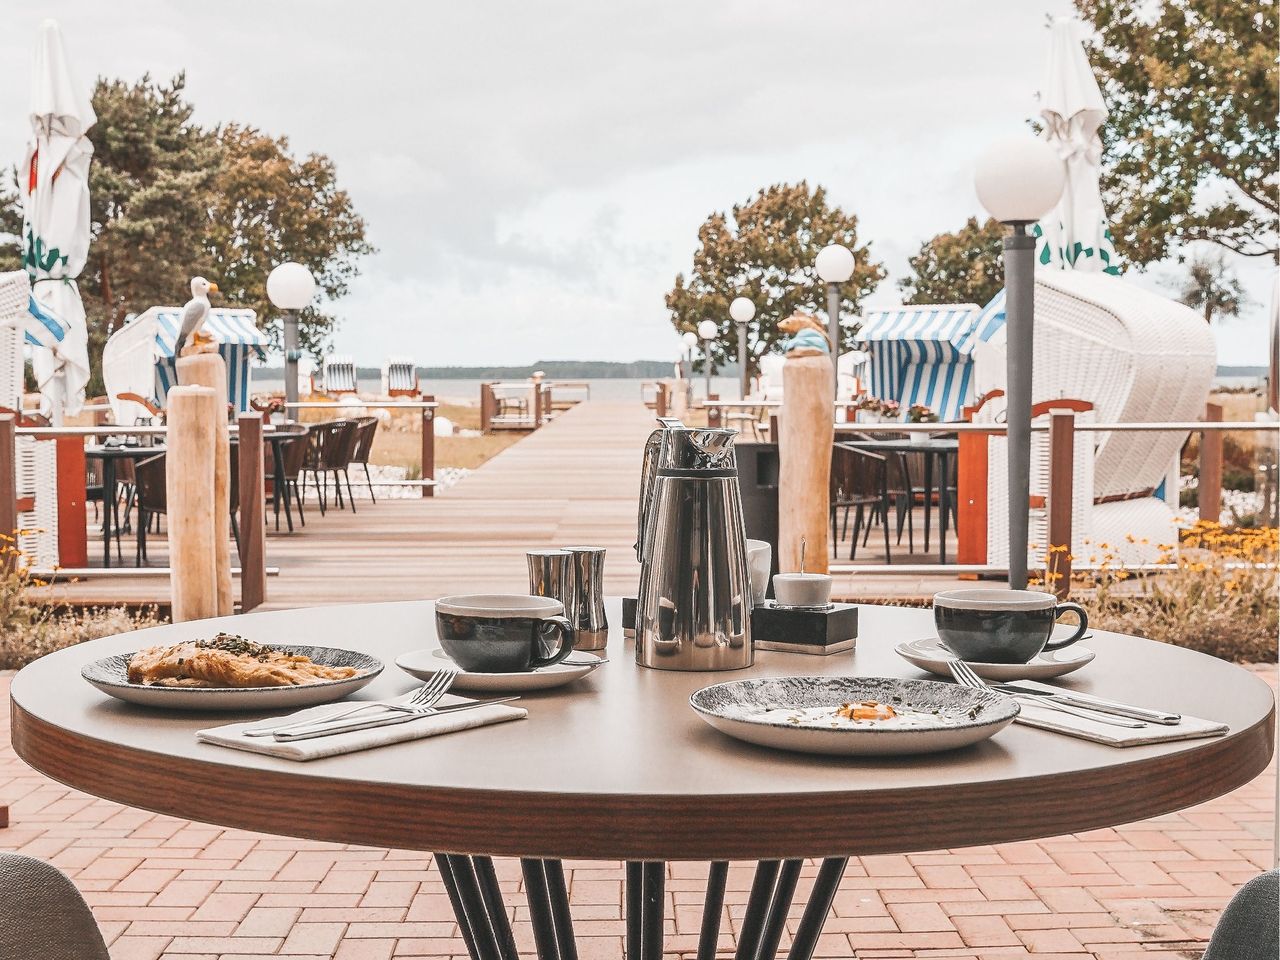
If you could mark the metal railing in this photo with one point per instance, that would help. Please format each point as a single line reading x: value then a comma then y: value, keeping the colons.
x: 427, y: 405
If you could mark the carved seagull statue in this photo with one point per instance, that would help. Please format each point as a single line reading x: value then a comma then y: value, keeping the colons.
x: 194, y: 315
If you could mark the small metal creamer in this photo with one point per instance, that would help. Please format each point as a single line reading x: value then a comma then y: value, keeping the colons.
x: 693, y: 610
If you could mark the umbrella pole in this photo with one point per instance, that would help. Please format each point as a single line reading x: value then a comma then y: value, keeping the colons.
x: 1019, y: 273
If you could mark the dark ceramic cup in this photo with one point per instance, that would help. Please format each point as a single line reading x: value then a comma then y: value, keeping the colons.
x: 1001, y: 626
x: 497, y: 633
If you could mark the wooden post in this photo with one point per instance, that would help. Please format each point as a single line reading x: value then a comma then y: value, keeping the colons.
x: 661, y: 400
x: 537, y: 402
x: 210, y: 370
x: 1210, y: 487
x: 8, y: 493
x: 253, y: 530
x: 1062, y: 449
x: 73, y: 540
x: 714, y: 414
x: 486, y: 407
x: 190, y: 464
x: 804, y: 477
x: 775, y: 432
x: 428, y: 471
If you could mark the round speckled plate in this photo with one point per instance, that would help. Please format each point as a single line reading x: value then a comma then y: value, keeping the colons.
x: 798, y: 713
x: 929, y: 654
x: 110, y: 675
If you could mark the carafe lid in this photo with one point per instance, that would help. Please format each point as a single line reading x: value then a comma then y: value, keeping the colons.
x: 698, y: 448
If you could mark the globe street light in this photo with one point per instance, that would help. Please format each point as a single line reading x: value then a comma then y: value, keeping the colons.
x: 834, y: 264
x: 742, y: 310
x: 707, y: 331
x: 1019, y: 179
x: 291, y: 287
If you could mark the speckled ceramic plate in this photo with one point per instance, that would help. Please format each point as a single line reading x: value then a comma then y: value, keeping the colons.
x: 799, y: 713
x: 929, y: 654
x: 110, y: 675
x: 425, y: 664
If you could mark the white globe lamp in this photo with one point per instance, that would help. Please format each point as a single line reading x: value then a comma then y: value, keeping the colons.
x: 742, y: 310
x: 690, y: 339
x: 1019, y: 179
x: 834, y: 263
x: 290, y: 286
x: 708, y: 329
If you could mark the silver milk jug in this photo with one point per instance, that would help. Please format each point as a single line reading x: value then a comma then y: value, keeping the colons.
x: 693, y: 611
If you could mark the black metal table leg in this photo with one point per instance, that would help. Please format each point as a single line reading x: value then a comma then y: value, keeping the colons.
x: 818, y: 908
x: 473, y: 892
x: 108, y: 506
x: 646, y: 884
x: 783, y: 892
x: 712, y: 907
x: 549, y: 909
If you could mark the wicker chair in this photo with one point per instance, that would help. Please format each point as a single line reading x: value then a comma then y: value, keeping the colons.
x: 859, y: 479
x: 366, y: 430
x: 149, y: 476
x: 42, y: 914
x: 332, y: 445
x: 294, y: 456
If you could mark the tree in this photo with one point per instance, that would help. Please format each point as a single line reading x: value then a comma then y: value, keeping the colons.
x: 764, y: 249
x: 1213, y: 288
x: 268, y: 207
x: 170, y: 200
x: 1191, y: 141
x: 960, y: 267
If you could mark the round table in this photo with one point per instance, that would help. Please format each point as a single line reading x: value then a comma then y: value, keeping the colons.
x: 617, y: 766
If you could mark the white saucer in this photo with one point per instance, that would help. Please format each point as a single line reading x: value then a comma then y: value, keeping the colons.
x: 425, y: 664
x: 929, y: 654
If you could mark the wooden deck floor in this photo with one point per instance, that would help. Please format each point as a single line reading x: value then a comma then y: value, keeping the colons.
x: 576, y: 480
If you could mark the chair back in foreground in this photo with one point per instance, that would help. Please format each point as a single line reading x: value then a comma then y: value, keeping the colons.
x: 43, y: 916
x: 1248, y: 928
x: 366, y: 430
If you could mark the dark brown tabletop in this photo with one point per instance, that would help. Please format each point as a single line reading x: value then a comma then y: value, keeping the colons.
x: 619, y: 766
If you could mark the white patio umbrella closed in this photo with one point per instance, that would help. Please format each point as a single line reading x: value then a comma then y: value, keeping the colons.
x: 55, y: 229
x: 1074, y: 235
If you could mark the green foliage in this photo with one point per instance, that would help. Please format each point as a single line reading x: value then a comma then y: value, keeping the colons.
x: 960, y: 267
x: 1191, y: 140
x: 10, y: 222
x: 170, y: 200
x: 1213, y: 288
x: 764, y: 250
x: 268, y: 207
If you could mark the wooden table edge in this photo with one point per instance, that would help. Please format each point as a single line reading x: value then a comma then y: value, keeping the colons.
x: 625, y: 827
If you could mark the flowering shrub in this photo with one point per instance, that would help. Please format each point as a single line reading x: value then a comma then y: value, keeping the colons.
x: 29, y: 629
x: 919, y: 413
x: 1218, y: 594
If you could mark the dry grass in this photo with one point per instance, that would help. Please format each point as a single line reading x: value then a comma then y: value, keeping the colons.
x: 29, y: 628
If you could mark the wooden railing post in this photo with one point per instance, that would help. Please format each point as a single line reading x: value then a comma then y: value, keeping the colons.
x: 8, y: 493
x: 1210, y: 487
x: 486, y: 407
x: 714, y: 417
x: 661, y: 402
x: 73, y: 542
x: 971, y: 496
x: 1062, y: 440
x: 253, y: 530
x: 429, y: 446
x: 190, y: 467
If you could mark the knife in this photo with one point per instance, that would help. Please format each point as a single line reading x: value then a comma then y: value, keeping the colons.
x: 1090, y: 702
x: 325, y: 730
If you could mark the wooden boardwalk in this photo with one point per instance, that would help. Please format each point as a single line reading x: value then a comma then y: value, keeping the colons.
x: 576, y: 480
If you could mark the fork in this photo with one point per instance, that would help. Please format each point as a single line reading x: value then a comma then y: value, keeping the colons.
x: 966, y: 677
x: 349, y: 726
x: 428, y: 695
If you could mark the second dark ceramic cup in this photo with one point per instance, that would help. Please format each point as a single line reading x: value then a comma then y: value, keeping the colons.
x: 500, y: 633
x: 1001, y: 626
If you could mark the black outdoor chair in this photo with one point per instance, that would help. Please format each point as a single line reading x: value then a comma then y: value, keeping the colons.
x: 1248, y: 929
x: 151, y: 498
x: 293, y: 454
x: 366, y: 430
x: 859, y: 480
x: 332, y: 445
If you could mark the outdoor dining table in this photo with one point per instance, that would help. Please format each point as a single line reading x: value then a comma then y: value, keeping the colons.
x: 279, y: 487
x: 617, y: 766
x: 940, y: 448
x: 110, y: 455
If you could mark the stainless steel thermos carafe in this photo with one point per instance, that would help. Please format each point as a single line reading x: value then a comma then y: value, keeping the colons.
x: 693, y: 611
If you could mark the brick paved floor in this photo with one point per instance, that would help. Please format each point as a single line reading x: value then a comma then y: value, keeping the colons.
x: 168, y: 888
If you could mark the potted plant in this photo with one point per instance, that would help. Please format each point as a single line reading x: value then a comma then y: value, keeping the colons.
x: 919, y: 413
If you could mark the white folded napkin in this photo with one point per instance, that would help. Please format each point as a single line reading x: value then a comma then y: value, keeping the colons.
x: 1188, y: 728
x: 232, y: 734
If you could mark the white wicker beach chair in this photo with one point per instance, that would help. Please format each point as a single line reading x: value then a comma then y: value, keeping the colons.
x: 340, y: 375
x: 399, y: 377
x: 1137, y: 357
x: 15, y: 291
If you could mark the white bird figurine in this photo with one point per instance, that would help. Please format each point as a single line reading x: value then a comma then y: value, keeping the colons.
x: 194, y: 315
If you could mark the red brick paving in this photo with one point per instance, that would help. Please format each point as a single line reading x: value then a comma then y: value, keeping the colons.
x: 166, y: 888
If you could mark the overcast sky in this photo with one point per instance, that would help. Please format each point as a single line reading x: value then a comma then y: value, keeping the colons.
x: 534, y: 174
